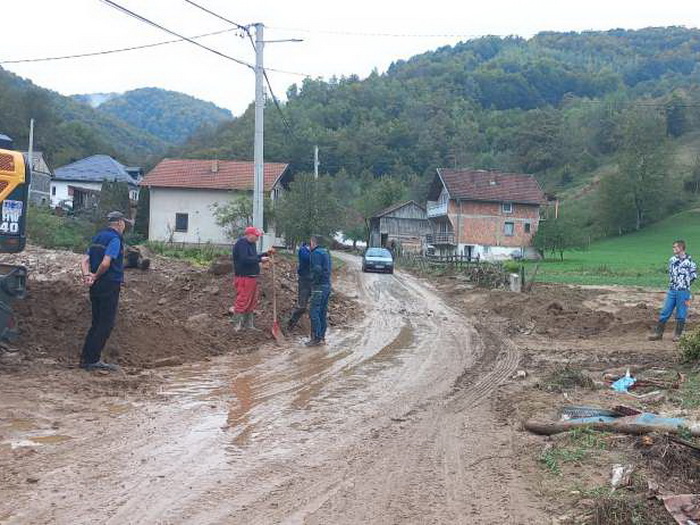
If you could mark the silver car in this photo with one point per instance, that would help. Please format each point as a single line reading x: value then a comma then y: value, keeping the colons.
x: 378, y: 260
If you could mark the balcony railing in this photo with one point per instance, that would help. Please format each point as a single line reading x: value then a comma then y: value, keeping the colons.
x: 436, y: 209
x: 441, y: 238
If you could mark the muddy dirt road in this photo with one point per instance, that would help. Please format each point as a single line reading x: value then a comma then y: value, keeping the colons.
x: 390, y: 423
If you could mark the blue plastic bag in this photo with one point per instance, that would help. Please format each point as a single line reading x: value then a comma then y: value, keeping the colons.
x: 622, y: 384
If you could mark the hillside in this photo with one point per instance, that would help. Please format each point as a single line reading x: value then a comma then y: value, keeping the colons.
x: 67, y: 129
x: 555, y: 105
x: 173, y: 117
x: 636, y: 259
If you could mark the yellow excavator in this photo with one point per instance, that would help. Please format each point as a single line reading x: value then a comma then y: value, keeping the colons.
x: 14, y: 194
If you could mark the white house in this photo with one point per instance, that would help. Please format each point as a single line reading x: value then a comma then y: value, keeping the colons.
x: 184, y: 192
x: 73, y: 182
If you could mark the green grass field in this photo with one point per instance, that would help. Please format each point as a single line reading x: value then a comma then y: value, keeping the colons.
x: 637, y: 259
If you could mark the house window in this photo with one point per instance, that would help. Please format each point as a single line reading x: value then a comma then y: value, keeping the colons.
x: 181, y: 220
x: 509, y: 229
x: 507, y: 207
x: 53, y: 191
x: 527, y: 227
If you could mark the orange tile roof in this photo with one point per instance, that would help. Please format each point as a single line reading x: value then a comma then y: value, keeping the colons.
x: 211, y: 174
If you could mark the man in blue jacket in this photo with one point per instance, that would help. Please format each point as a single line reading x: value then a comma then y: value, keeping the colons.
x: 682, y: 271
x: 303, y: 285
x: 103, y: 272
x: 320, y: 270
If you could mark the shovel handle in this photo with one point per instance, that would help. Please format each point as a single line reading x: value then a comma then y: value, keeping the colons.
x: 274, y: 289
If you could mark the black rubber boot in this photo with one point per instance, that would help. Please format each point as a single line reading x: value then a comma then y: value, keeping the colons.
x: 658, y: 332
x: 250, y: 323
x: 680, y: 325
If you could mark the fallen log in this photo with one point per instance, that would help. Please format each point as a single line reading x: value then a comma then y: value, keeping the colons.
x: 639, y: 424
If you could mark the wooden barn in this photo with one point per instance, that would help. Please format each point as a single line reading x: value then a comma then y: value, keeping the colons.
x: 401, y: 227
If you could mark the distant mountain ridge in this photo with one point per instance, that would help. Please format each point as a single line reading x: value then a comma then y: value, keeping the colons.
x: 67, y: 129
x: 171, y: 116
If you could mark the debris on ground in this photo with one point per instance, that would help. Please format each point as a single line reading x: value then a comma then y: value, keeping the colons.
x: 685, y: 508
x: 621, y: 476
x: 624, y: 383
x: 638, y: 424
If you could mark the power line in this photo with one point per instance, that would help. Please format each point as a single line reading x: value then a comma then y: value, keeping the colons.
x: 279, y: 108
x: 162, y: 28
x: 239, y: 26
x: 252, y: 43
x: 111, y: 51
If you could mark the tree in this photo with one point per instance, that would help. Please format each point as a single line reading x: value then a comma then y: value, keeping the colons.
x: 143, y: 211
x: 309, y: 207
x: 643, y: 162
x: 692, y: 183
x: 555, y: 236
x: 236, y: 214
x: 114, y: 196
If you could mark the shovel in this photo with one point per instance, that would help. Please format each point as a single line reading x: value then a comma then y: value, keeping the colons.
x: 276, y: 330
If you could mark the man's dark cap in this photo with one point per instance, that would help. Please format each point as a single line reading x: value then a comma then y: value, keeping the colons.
x: 116, y: 216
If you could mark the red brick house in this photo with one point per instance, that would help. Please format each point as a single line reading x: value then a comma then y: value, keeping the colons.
x: 487, y: 215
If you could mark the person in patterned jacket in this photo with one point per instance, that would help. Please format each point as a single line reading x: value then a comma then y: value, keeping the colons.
x: 682, y: 271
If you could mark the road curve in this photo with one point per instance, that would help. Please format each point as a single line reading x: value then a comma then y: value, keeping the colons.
x: 389, y: 423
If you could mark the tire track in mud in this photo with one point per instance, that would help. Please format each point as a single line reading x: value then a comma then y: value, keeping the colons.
x: 438, y: 466
x: 388, y: 424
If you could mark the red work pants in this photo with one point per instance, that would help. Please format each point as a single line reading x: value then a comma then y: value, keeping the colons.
x: 246, y: 294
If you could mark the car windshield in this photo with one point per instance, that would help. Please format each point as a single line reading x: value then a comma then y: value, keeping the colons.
x: 378, y: 252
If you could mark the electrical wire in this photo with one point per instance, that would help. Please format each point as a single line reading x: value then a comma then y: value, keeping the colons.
x: 245, y: 28
x: 239, y: 26
x: 111, y: 51
x: 162, y: 28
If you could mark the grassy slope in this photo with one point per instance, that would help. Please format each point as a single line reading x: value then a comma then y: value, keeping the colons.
x: 635, y: 259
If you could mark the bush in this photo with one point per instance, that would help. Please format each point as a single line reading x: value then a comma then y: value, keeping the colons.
x: 511, y: 266
x: 51, y: 231
x: 202, y: 255
x: 690, y: 346
x: 133, y: 238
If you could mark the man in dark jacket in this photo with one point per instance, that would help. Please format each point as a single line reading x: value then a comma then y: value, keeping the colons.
x: 246, y: 269
x: 320, y: 269
x: 103, y: 272
x: 303, y: 285
x: 682, y: 271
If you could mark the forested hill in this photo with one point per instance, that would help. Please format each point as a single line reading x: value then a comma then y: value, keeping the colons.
x: 572, y: 108
x: 547, y: 105
x: 66, y: 129
x: 171, y: 116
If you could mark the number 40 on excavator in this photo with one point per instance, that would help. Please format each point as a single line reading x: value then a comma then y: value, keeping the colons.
x: 14, y: 193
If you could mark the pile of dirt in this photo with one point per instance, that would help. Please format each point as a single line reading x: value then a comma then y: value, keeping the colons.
x: 568, y: 312
x: 170, y: 314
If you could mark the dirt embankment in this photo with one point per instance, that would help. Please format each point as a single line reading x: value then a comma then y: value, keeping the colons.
x: 171, y: 311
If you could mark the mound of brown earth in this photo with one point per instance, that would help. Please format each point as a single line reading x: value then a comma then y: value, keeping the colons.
x: 169, y: 314
x: 569, y: 312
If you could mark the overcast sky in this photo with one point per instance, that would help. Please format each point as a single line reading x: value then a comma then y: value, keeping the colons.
x: 340, y: 38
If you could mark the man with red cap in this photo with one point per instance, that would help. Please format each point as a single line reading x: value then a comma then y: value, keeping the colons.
x: 246, y: 269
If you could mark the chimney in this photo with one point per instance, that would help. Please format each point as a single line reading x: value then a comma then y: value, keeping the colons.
x: 215, y: 166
